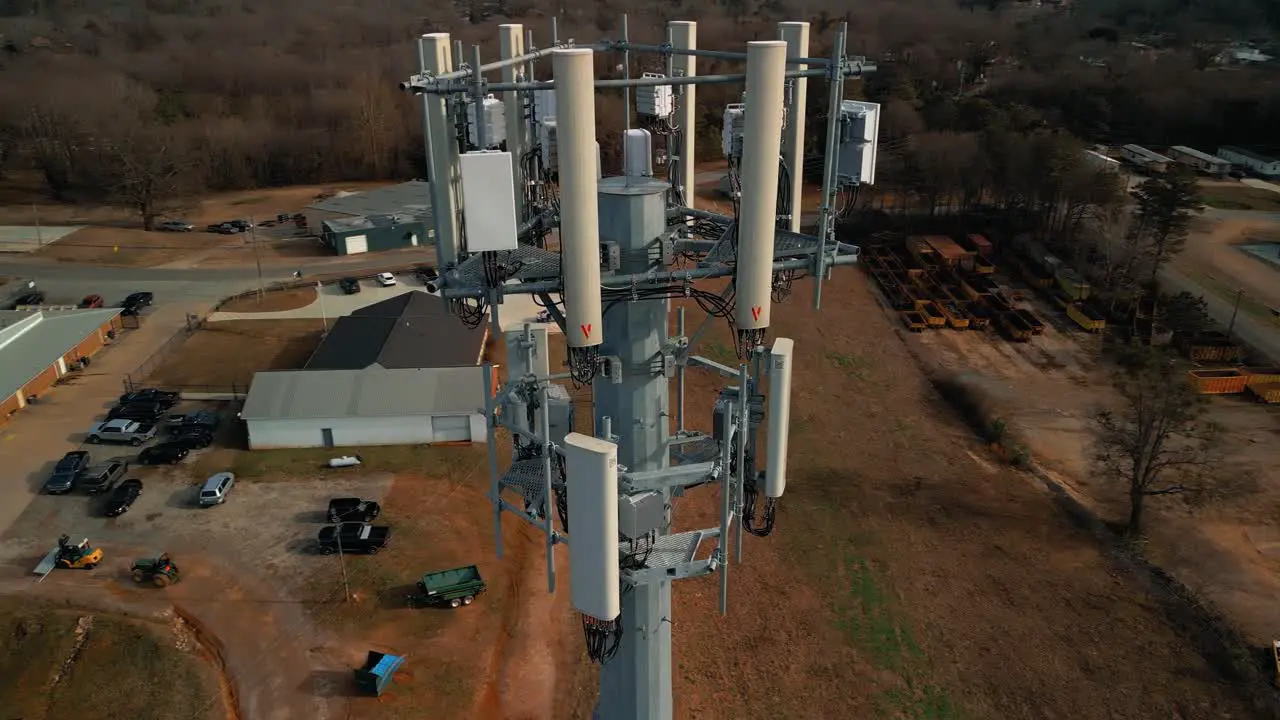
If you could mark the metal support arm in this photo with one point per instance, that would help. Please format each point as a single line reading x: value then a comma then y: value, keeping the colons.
x: 677, y: 476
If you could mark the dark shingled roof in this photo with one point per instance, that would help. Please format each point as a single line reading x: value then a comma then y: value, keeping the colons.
x: 411, y: 330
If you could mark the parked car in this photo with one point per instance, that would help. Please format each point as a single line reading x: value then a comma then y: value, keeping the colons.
x: 192, y: 438
x: 353, y: 510
x: 350, y: 286
x: 167, y: 398
x: 354, y: 537
x: 215, y: 489
x: 66, y: 472
x: 175, y: 226
x: 101, y: 478
x: 91, y: 301
x: 241, y: 225
x: 385, y: 279
x: 35, y: 297
x: 166, y: 453
x: 139, y: 300
x: 121, y: 499
x: 206, y: 419
x: 145, y: 412
x: 222, y: 229
x: 121, y: 430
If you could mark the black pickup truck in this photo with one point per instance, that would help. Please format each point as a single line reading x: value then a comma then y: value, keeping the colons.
x: 354, y: 537
x: 353, y: 510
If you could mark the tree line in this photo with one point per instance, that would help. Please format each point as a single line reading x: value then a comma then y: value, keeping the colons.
x: 137, y: 101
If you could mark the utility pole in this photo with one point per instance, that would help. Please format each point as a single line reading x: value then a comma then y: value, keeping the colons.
x: 342, y: 563
x: 324, y: 317
x: 39, y: 235
x: 1235, y: 309
x: 257, y: 258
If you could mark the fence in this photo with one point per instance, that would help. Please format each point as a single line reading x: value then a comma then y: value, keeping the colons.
x: 135, y: 379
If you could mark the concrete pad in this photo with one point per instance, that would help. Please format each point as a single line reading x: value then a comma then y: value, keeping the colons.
x: 1261, y: 184
x: 517, y: 310
x: 28, y: 238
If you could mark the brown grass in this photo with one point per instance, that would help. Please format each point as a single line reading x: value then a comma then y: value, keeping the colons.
x: 133, y: 248
x: 226, y: 353
x: 125, y: 669
x: 274, y: 301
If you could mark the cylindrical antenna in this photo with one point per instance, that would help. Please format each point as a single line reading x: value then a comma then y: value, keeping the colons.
x: 762, y: 140
x: 684, y: 34
x: 579, y: 209
x: 796, y: 35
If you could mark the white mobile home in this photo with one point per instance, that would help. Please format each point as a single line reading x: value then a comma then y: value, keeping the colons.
x: 1098, y: 161
x: 1145, y: 159
x: 1204, y: 162
x: 1260, y: 164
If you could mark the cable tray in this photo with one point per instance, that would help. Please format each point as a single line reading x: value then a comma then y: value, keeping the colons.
x: 526, y: 263
x: 525, y: 477
x: 674, y: 550
x: 698, y: 451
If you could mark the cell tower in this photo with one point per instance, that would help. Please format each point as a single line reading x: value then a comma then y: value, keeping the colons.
x: 627, y: 246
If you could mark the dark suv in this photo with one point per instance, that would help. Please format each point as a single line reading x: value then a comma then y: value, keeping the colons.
x: 65, y: 473
x: 102, y: 478
x: 350, y: 285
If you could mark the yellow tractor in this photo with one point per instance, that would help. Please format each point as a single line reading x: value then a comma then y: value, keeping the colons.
x: 78, y: 555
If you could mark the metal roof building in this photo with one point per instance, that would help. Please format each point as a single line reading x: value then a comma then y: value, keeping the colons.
x: 38, y: 347
x: 397, y: 372
x: 1201, y: 161
x: 410, y: 330
x: 407, y: 204
x: 1260, y: 164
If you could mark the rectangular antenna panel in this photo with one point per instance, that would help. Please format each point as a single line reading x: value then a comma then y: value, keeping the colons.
x: 591, y: 476
x: 544, y: 105
x: 735, y: 121
x: 655, y: 100
x: 547, y: 140
x: 494, y: 117
x: 488, y: 200
x: 780, y: 361
x: 858, y: 142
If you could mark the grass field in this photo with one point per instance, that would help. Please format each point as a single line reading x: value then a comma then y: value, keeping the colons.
x: 65, y: 664
x: 226, y: 353
x: 1241, y: 197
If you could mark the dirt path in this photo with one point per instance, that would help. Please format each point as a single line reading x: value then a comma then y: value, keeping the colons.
x: 522, y: 669
x: 265, y: 650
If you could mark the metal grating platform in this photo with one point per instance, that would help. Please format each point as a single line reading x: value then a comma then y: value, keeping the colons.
x: 526, y: 263
x: 785, y: 244
x: 525, y: 477
x: 698, y: 451
x: 674, y: 550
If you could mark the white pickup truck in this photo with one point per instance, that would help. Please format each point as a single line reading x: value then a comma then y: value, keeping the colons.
x: 121, y: 430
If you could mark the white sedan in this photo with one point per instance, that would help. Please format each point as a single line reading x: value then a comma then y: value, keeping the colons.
x: 386, y: 279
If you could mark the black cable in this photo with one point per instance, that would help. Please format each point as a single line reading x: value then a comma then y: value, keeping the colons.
x: 749, y: 495
x: 602, y: 636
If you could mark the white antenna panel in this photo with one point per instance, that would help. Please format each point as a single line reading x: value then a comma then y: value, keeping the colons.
x: 494, y: 117
x: 780, y: 359
x: 488, y: 200
x: 657, y: 101
x: 591, y: 478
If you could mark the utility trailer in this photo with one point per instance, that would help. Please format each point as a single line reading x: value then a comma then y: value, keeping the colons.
x: 1033, y: 322
x: 955, y: 315
x: 1085, y: 318
x: 933, y: 316
x: 454, y: 587
x: 914, y: 321
x: 1014, y: 327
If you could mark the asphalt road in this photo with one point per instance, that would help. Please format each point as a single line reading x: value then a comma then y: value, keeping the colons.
x: 1265, y: 339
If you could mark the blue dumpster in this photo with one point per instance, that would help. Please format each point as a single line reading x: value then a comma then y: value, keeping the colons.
x: 376, y: 674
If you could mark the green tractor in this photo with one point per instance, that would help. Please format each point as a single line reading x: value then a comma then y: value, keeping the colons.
x: 160, y: 571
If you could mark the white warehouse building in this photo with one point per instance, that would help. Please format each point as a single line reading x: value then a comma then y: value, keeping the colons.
x: 396, y: 372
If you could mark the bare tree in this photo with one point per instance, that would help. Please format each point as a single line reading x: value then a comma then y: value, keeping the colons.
x: 1158, y: 442
x: 1166, y: 205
